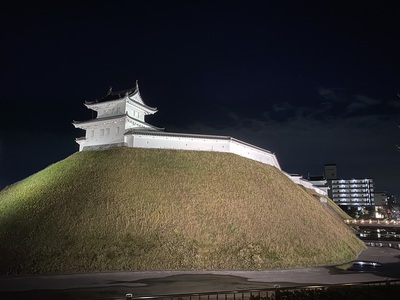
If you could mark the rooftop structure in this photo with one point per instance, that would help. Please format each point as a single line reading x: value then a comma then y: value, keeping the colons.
x: 330, y: 172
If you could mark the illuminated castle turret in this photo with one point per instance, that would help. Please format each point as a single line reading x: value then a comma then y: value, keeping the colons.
x: 117, y: 113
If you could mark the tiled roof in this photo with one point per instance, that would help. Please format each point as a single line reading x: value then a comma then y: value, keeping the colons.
x: 113, y: 117
x: 111, y: 95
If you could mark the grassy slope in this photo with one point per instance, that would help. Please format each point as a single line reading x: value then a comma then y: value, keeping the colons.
x: 138, y: 209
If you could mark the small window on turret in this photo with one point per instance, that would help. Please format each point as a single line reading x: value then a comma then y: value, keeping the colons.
x: 117, y: 129
x: 101, y: 132
x: 107, y: 131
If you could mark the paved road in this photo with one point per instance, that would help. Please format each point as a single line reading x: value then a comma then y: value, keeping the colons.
x: 111, y: 284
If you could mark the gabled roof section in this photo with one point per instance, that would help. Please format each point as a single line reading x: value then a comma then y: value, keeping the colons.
x: 143, y: 124
x: 132, y: 94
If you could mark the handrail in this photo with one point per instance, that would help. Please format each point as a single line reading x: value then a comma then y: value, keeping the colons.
x: 273, y: 290
x: 366, y: 222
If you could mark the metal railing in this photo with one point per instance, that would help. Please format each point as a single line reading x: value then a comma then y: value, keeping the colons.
x: 373, y: 222
x: 274, y: 293
x: 394, y: 245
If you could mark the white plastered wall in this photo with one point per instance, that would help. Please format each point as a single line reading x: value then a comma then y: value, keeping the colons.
x: 201, y: 143
x: 103, y: 134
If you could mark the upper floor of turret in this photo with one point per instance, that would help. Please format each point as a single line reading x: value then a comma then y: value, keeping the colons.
x: 123, y: 102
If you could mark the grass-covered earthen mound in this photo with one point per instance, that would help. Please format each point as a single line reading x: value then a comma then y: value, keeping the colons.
x: 148, y: 209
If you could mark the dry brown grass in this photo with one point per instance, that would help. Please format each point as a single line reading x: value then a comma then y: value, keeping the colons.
x: 147, y: 209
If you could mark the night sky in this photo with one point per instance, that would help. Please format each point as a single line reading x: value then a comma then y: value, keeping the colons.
x: 313, y: 82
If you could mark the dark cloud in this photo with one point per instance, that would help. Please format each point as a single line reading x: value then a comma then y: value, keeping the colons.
x: 333, y: 94
x: 361, y: 102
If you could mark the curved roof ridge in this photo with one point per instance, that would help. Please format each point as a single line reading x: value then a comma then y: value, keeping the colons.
x: 142, y: 104
x: 116, y: 95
